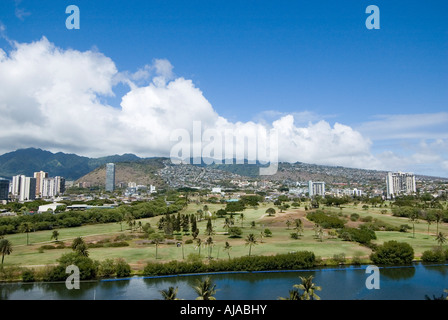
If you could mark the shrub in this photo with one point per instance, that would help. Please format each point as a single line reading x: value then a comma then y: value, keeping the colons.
x: 106, y: 268
x: 122, y: 268
x: 393, y: 252
x: 339, y: 258
x: 189, y: 241
x: 356, y: 260
x: 379, y: 225
x: 51, y: 274
x: 294, y: 235
x: 28, y: 275
x: 47, y: 247
x: 436, y: 255
x: 325, y: 220
x: 267, y: 232
x: 117, y: 244
x: 235, y: 232
x: 362, y: 234
x: 354, y: 216
x: 290, y: 261
x: 367, y: 219
x: 88, y: 268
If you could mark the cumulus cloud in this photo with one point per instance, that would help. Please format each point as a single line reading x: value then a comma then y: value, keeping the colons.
x: 54, y: 99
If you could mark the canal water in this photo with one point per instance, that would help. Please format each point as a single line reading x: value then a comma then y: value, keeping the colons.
x: 416, y: 282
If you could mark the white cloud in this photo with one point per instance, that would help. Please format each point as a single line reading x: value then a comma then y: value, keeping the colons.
x: 53, y: 99
x: 406, y: 126
x: 20, y: 13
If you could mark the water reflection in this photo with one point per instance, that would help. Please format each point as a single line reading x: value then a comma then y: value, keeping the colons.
x: 402, y: 273
x: 337, y: 284
x: 442, y: 269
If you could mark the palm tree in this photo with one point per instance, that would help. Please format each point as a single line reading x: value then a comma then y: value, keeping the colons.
x: 5, y: 248
x: 198, y: 245
x: 227, y: 224
x: 293, y: 295
x: 438, y: 217
x: 55, y: 235
x: 76, y: 242
x: 169, y: 294
x: 156, y: 239
x: 228, y: 247
x: 209, y: 243
x: 308, y: 288
x: 242, y: 219
x: 251, y: 241
x: 440, y: 238
x: 413, y: 218
x: 25, y: 227
x: 130, y: 220
x: 205, y: 289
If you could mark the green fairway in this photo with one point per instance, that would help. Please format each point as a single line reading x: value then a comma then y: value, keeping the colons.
x: 139, y: 252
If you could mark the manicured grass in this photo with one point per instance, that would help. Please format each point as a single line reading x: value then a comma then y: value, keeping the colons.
x: 138, y: 254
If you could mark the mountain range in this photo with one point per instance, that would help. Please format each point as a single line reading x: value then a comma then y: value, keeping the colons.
x: 70, y: 166
x: 130, y: 167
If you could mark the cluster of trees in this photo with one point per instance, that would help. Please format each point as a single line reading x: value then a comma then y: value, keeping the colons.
x: 290, y: 261
x: 68, y: 219
x: 88, y: 268
x: 171, y: 223
x: 364, y: 234
x: 393, y: 253
x: 326, y: 219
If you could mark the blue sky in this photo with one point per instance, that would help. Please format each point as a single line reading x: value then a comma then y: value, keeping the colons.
x: 261, y: 60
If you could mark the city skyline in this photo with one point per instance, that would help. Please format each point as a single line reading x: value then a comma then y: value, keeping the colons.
x: 338, y: 93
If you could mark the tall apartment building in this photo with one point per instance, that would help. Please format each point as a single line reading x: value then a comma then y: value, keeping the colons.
x: 400, y: 183
x: 40, y: 176
x: 16, y: 180
x: 27, y: 188
x: 110, y: 177
x: 4, y: 189
x: 52, y: 187
x: 316, y: 188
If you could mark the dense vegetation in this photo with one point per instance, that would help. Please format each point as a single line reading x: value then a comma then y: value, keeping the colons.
x: 291, y: 261
x: 363, y: 234
x: 326, y: 219
x: 392, y: 253
x: 48, y: 220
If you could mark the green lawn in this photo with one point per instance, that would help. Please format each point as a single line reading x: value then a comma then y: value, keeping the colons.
x: 138, y: 254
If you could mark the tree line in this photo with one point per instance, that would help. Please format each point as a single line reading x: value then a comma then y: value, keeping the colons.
x: 68, y: 219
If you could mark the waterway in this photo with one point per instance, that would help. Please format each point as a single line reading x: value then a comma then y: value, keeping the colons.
x: 415, y: 282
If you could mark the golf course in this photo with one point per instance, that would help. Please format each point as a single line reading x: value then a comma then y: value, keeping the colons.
x: 271, y: 234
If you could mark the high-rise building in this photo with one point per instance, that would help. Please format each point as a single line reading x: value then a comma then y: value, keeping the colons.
x: 53, y: 187
x: 40, y: 176
x: 316, y: 188
x: 16, y: 180
x: 27, y: 188
x: 60, y: 185
x: 4, y: 189
x: 110, y: 177
x: 399, y: 183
